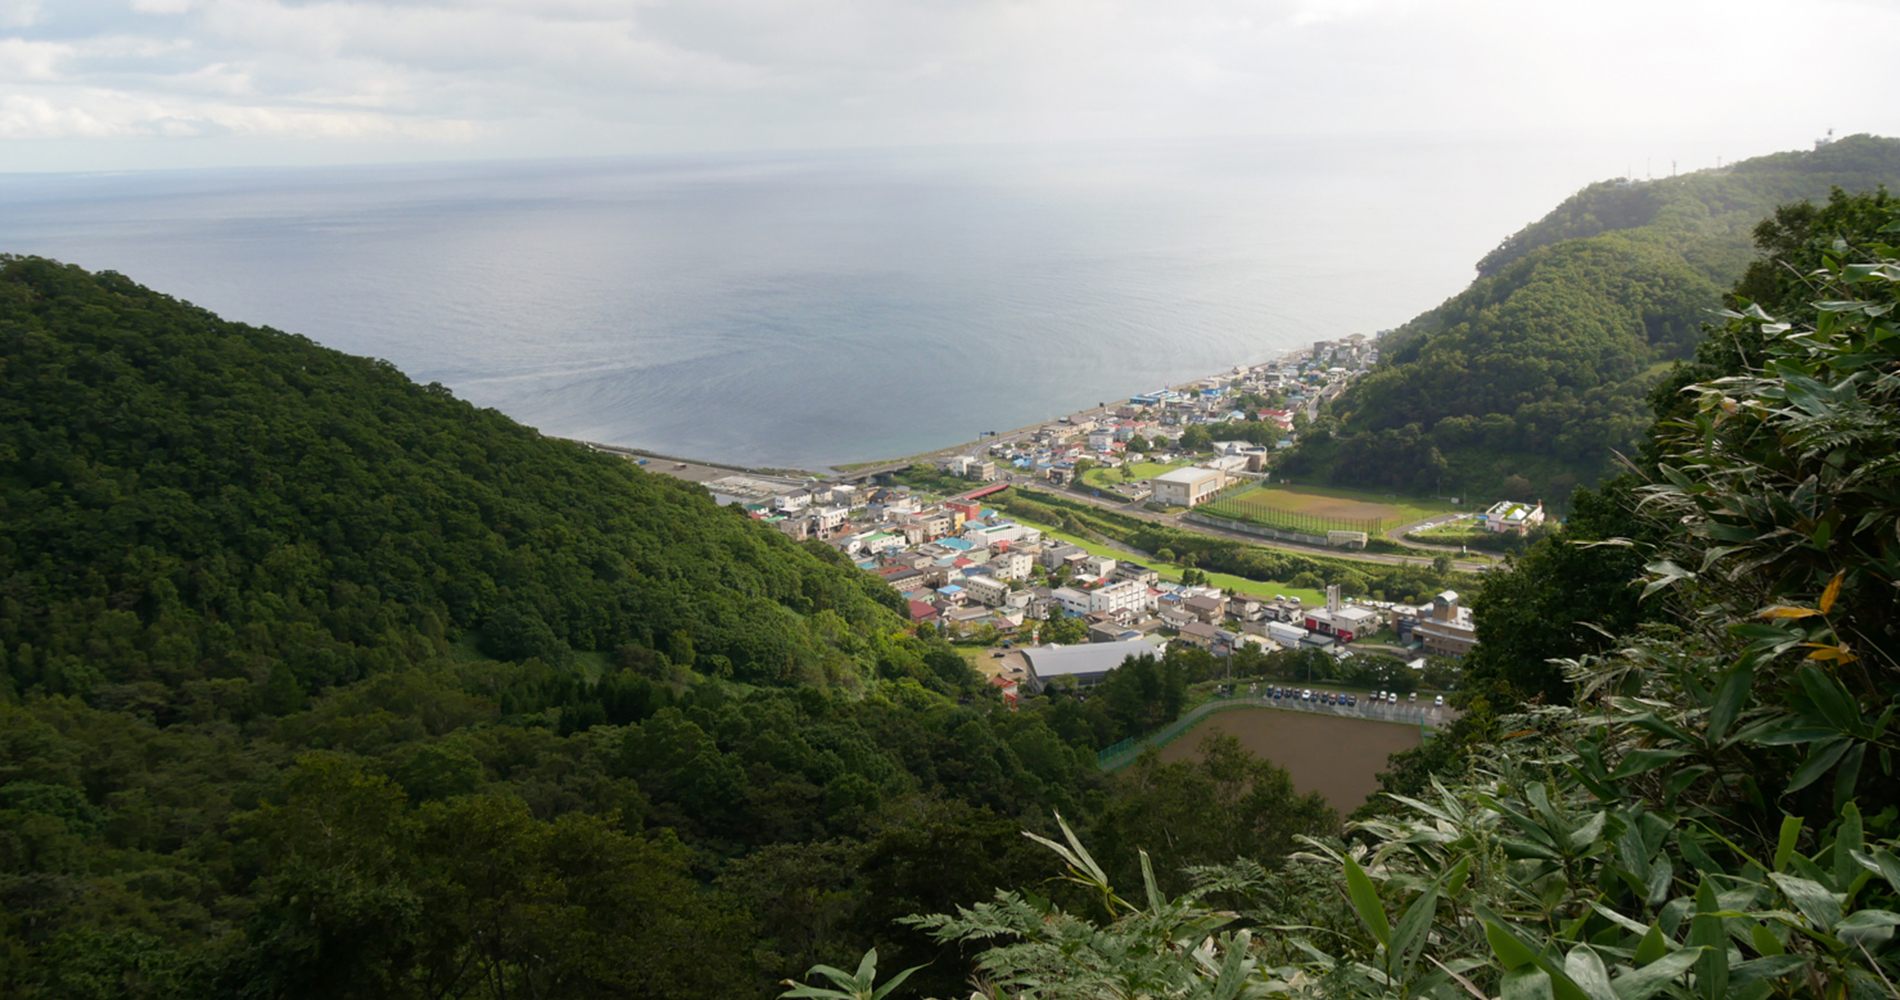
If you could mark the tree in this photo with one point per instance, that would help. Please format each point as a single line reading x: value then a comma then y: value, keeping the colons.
x: 1226, y: 804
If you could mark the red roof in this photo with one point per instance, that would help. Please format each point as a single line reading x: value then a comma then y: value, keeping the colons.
x: 919, y: 611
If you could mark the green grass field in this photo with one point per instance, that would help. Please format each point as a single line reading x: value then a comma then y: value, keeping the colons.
x: 1105, y: 478
x: 1318, y: 509
x: 1170, y: 571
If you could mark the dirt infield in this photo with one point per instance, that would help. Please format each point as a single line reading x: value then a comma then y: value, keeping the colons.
x: 1336, y: 757
x: 1301, y: 502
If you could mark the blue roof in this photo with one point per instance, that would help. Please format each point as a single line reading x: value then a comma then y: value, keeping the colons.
x: 956, y: 543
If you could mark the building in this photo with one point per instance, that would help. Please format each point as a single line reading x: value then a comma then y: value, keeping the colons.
x: 1206, y: 608
x: 1087, y: 663
x: 1075, y: 602
x: 1136, y: 572
x: 1188, y: 487
x: 1508, y: 516
x: 1010, y: 565
x: 1343, y: 623
x: 1098, y: 565
x: 1449, y: 631
x: 1199, y: 634
x: 986, y: 590
x: 1123, y: 595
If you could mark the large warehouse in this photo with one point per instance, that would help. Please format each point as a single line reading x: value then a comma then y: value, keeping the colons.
x: 1087, y: 663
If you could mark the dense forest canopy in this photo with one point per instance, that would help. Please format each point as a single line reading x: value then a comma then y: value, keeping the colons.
x: 1532, y: 379
x: 317, y: 682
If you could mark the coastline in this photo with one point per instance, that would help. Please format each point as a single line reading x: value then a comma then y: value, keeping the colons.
x: 865, y: 469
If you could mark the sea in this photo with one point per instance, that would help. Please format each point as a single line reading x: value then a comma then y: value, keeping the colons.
x: 805, y: 309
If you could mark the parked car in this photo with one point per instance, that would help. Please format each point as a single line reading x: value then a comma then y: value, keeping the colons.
x: 1439, y: 701
x: 1413, y: 697
x: 1391, y: 698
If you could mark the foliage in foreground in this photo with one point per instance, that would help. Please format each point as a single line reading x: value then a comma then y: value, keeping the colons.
x: 1715, y: 818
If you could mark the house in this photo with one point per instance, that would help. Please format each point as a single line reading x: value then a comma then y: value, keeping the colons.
x: 1188, y: 487
x: 1508, y: 516
x: 1199, y: 634
x: 1205, y: 608
x: 1007, y: 687
x: 1098, y: 565
x: 920, y: 612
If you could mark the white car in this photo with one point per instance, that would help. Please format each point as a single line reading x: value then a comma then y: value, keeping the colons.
x: 1391, y: 698
x: 1439, y: 701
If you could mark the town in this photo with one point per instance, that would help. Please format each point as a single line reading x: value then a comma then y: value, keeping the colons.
x: 972, y: 572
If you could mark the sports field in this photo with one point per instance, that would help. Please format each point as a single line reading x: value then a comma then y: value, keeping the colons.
x: 1319, y: 509
x: 1339, y: 758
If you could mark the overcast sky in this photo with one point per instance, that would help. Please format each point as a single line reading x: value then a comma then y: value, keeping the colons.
x: 116, y: 84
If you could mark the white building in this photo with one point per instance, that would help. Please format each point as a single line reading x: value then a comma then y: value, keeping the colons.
x: 1099, y: 565
x: 1075, y: 602
x: 1188, y: 487
x: 1007, y: 565
x: 1124, y: 595
x: 830, y: 518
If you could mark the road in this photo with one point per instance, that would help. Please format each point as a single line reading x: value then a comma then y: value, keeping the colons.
x: 1134, y: 508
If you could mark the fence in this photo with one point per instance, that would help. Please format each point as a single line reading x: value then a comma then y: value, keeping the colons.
x: 1122, y: 754
x: 1253, y: 529
x: 1239, y: 508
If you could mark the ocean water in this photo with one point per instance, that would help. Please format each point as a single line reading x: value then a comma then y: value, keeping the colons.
x: 817, y: 308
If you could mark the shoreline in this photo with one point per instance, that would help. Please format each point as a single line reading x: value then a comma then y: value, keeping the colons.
x: 873, y: 467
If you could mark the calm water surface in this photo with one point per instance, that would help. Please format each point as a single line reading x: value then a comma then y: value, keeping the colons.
x: 817, y: 308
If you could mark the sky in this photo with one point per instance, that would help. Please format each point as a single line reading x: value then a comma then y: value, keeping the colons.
x: 129, y: 84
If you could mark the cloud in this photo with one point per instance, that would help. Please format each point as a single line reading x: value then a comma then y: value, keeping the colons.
x: 609, y: 75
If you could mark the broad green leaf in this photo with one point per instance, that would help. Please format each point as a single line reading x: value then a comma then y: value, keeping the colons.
x: 1646, y: 982
x: 1589, y: 833
x: 896, y: 981
x: 1365, y: 899
x: 1512, y: 953
x: 1822, y: 757
x: 1821, y: 907
x: 1585, y: 968
x: 1414, y: 924
x: 1765, y: 941
x: 1883, y: 863
x: 1730, y: 696
x: 1867, y: 926
x: 1769, y: 967
x: 1528, y: 983
x: 1847, y: 840
x: 1652, y: 947
x: 1836, y: 705
x: 1643, y: 761
x: 1785, y: 844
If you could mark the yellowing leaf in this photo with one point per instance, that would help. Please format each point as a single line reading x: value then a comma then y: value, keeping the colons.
x: 1833, y: 591
x: 1822, y: 651
x: 1783, y: 611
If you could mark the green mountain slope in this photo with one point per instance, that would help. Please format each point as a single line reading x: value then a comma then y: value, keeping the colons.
x: 1528, y: 381
x: 315, y: 682
x: 191, y: 501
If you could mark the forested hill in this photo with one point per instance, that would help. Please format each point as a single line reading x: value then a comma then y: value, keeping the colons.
x: 197, y: 509
x: 1526, y: 383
